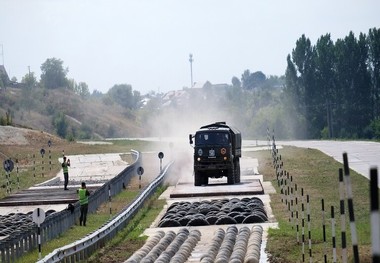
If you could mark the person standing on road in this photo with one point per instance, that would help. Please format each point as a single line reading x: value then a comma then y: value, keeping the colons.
x: 83, y: 194
x: 65, y: 167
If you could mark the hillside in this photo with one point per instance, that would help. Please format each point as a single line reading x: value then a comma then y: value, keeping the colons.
x: 85, y: 118
x: 10, y: 136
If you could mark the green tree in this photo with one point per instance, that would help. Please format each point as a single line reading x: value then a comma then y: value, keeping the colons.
x: 329, y: 86
x: 251, y: 81
x: 303, y: 56
x: 123, y: 95
x: 362, y: 82
x: 294, y: 102
x: 373, y: 40
x: 236, y: 82
x: 28, y: 94
x: 96, y: 94
x: 258, y: 78
x: 353, y: 83
x: 245, y: 79
x: 82, y: 90
x: 30, y: 81
x: 53, y: 74
x: 325, y: 80
x: 60, y: 124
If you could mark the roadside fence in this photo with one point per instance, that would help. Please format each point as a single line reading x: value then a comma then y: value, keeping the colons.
x: 24, y: 240
x: 85, y: 247
x: 290, y: 197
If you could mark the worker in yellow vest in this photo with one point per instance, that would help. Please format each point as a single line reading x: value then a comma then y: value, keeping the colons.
x: 83, y: 194
x: 65, y: 168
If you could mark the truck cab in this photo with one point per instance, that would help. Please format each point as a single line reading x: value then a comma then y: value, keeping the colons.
x: 217, y: 149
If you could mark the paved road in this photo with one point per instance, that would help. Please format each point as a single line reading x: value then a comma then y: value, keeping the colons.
x: 362, y: 155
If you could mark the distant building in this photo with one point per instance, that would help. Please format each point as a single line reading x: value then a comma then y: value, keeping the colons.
x: 209, y: 85
x: 6, y: 82
x: 180, y: 97
x: 202, y: 85
x: 177, y: 96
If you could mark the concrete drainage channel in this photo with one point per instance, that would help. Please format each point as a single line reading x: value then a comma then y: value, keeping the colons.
x: 211, y: 229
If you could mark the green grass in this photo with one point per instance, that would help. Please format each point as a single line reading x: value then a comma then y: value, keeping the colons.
x: 95, y: 220
x: 34, y: 169
x: 310, y: 169
x: 318, y: 175
x: 30, y: 165
x: 130, y: 239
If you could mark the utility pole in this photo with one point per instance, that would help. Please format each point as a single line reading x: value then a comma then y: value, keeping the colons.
x: 191, y: 69
x: 2, y: 53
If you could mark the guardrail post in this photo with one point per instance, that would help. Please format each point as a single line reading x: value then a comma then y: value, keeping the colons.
x: 109, y: 199
x: 375, y: 215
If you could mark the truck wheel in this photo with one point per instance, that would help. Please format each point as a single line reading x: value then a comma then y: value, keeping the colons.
x: 197, y: 179
x: 237, y: 171
x: 231, y: 176
x: 205, y: 180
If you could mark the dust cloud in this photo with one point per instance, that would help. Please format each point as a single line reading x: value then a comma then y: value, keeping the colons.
x: 173, y: 124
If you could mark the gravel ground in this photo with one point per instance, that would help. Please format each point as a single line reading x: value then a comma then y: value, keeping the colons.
x: 13, y: 136
x: 20, y: 136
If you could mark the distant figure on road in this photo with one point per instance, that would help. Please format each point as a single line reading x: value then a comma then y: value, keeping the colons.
x: 83, y: 194
x: 65, y: 167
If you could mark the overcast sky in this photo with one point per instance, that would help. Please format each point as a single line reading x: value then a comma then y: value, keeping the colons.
x: 146, y: 43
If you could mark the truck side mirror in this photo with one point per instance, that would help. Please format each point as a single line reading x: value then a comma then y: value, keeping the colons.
x: 190, y: 139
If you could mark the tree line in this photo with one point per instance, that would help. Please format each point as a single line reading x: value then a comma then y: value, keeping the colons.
x: 54, y: 78
x: 332, y: 89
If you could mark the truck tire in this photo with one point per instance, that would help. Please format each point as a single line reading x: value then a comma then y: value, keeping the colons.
x: 231, y: 176
x: 197, y: 179
x: 204, y: 180
x: 237, y: 171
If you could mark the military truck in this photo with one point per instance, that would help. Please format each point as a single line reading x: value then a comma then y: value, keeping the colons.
x: 217, y: 149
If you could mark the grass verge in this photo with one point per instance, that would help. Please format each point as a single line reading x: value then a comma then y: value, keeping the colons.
x: 30, y: 165
x: 130, y: 239
x: 132, y: 232
x: 31, y: 168
x: 317, y: 174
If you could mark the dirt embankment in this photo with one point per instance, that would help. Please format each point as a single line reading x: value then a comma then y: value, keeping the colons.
x: 20, y: 136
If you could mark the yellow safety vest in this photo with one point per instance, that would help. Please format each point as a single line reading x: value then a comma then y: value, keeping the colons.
x: 83, y: 197
x: 65, y: 168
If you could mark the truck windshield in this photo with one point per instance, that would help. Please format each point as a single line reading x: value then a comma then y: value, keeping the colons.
x: 213, y: 138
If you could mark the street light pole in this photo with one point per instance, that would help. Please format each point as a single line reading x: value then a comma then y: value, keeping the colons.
x: 191, y: 69
x: 2, y: 53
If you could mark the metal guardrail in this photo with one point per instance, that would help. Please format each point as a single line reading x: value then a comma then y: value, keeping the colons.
x: 25, y: 240
x: 83, y: 248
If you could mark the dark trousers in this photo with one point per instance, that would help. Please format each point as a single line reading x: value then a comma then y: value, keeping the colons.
x: 66, y: 177
x: 83, y: 214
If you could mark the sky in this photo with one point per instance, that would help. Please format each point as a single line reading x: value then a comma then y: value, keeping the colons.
x: 147, y: 43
